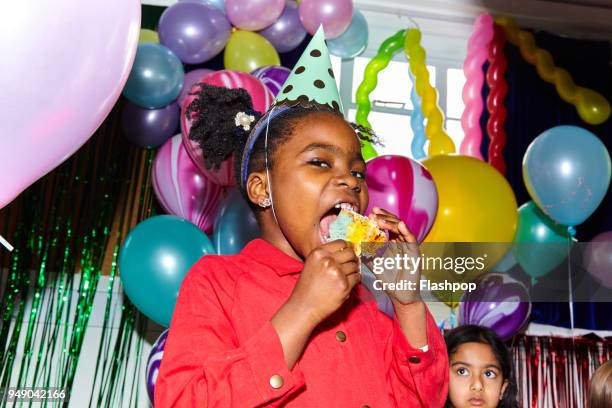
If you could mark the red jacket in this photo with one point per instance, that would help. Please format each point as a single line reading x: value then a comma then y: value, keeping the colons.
x: 222, y: 350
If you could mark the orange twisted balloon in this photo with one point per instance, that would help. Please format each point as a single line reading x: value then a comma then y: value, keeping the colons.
x: 592, y: 107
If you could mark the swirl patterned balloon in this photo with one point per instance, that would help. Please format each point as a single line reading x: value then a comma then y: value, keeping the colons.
x: 262, y: 99
x: 181, y: 188
x: 404, y: 187
x: 153, y: 363
x: 273, y: 76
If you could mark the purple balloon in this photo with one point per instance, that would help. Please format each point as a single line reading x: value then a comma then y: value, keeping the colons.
x: 335, y: 15
x: 499, y: 303
x: 191, y: 78
x: 272, y: 76
x: 253, y: 15
x: 149, y: 127
x: 153, y: 362
x: 287, y: 32
x: 405, y: 188
x: 194, y: 31
x: 598, y: 258
x: 181, y: 188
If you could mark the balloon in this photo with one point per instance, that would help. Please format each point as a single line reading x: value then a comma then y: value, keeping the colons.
x: 499, y: 303
x: 156, y: 78
x: 247, y: 51
x: 235, y: 226
x: 598, y: 258
x: 181, y: 188
x: 191, y: 78
x: 416, y: 123
x: 287, y: 32
x: 147, y: 35
x: 498, y: 88
x: 387, y: 49
x: 567, y: 172
x: 253, y: 15
x: 154, y: 259
x: 439, y: 141
x: 472, y: 67
x: 261, y: 97
x: 194, y: 31
x: 353, y: 41
x: 149, y: 127
x: 219, y: 4
x: 405, y: 188
x: 591, y: 106
x: 154, y: 362
x: 54, y: 92
x: 541, y: 245
x: 335, y: 15
x: 273, y: 77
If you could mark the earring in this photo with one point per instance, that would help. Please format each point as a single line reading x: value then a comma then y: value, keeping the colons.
x: 265, y: 203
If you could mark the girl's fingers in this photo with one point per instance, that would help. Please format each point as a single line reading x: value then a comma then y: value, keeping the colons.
x: 405, y: 232
x: 382, y: 211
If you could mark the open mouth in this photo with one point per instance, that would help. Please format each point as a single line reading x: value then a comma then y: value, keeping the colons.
x: 330, y: 216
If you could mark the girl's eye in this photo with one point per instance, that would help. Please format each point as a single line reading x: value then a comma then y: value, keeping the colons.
x: 319, y: 163
x: 462, y: 371
x: 490, y: 374
x: 358, y: 174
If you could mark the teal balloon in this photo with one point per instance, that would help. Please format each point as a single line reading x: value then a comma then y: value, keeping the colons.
x: 156, y: 78
x: 540, y: 244
x: 353, y: 41
x: 235, y: 225
x: 567, y: 172
x: 154, y: 259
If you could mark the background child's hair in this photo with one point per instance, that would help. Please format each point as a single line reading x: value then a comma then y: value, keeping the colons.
x: 479, y: 334
x: 600, y: 387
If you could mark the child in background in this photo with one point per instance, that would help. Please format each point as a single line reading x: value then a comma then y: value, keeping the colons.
x: 481, y: 373
x: 600, y: 387
x: 286, y: 322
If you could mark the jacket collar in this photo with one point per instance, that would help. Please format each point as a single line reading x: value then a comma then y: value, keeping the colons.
x: 265, y: 253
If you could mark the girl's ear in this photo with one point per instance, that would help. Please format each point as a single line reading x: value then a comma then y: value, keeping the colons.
x: 257, y: 187
x: 503, y: 390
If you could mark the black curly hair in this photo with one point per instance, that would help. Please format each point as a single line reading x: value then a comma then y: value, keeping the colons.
x: 471, y: 333
x: 213, y: 112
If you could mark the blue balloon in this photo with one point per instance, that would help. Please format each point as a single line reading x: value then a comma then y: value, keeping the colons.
x: 353, y: 41
x: 235, y: 225
x: 416, y: 123
x: 156, y: 78
x: 567, y: 172
x: 154, y: 259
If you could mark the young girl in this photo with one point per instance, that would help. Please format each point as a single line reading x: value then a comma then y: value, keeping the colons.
x: 600, y: 387
x: 286, y: 322
x: 481, y: 372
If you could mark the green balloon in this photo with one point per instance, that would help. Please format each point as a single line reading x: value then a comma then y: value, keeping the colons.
x: 154, y: 259
x: 540, y: 244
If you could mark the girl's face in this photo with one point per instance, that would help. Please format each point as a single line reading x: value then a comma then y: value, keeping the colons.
x: 475, y: 377
x: 315, y: 170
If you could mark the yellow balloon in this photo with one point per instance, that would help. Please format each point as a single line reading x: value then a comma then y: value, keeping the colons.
x: 147, y: 35
x: 477, y: 211
x: 246, y: 51
x: 592, y: 107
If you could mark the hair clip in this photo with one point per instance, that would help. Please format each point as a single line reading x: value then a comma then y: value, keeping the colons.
x: 244, y: 120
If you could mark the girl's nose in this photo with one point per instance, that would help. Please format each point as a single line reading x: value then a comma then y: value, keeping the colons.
x: 349, y: 181
x: 476, y: 384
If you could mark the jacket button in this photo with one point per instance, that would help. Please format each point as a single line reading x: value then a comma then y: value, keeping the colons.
x: 340, y: 336
x: 414, y: 359
x: 276, y: 381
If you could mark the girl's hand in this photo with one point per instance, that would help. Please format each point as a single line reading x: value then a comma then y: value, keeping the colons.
x: 330, y: 273
x: 404, y: 244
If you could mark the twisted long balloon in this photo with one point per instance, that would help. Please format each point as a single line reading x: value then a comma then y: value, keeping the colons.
x: 439, y: 141
x: 472, y: 67
x: 416, y: 123
x: 495, y: 101
x: 592, y: 107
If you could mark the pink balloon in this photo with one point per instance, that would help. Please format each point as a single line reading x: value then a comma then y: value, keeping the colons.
x: 181, y: 188
x: 405, y: 188
x: 261, y: 97
x: 335, y: 15
x: 55, y: 94
x: 478, y: 48
x: 253, y: 15
x: 191, y: 78
x: 598, y: 258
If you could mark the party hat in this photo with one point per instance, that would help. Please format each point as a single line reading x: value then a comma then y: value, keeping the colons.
x: 312, y: 78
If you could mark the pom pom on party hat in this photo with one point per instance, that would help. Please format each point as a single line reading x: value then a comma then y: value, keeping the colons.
x: 312, y: 79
